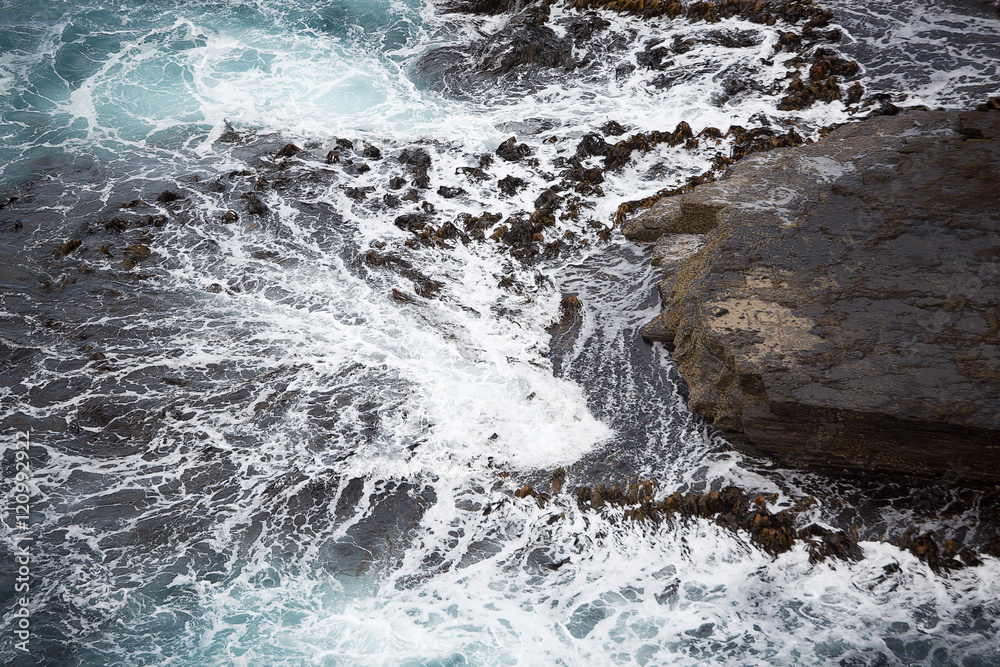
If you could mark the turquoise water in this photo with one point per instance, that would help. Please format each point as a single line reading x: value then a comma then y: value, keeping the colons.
x: 275, y: 461
x: 157, y: 80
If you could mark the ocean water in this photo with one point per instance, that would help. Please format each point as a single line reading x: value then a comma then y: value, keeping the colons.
x: 251, y: 445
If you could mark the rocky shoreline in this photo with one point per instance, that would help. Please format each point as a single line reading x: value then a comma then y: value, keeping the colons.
x: 844, y: 310
x: 737, y: 218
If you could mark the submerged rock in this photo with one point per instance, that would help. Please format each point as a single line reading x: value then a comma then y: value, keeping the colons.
x: 288, y: 151
x: 66, y: 248
x: 254, y: 204
x: 168, y: 196
x: 522, y: 51
x: 449, y: 192
x: 845, y: 310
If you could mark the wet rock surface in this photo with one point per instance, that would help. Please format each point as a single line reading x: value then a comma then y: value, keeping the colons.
x: 844, y: 311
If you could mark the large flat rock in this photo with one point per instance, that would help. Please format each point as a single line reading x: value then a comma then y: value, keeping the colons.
x: 845, y: 308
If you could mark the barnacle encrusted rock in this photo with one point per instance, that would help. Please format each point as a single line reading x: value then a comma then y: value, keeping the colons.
x: 845, y: 308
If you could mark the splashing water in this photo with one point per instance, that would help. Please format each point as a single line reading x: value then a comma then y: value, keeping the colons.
x: 257, y: 445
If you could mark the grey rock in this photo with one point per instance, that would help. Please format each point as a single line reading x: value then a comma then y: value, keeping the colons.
x: 845, y: 308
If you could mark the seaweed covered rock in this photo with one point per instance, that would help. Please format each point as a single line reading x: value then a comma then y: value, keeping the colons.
x: 731, y: 508
x: 533, y: 47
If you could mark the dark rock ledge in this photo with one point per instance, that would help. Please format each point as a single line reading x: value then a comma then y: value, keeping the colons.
x: 845, y: 309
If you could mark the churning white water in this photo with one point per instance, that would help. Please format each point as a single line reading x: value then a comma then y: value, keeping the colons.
x: 257, y: 447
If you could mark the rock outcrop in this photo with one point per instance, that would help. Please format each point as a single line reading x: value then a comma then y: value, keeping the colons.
x: 844, y: 310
